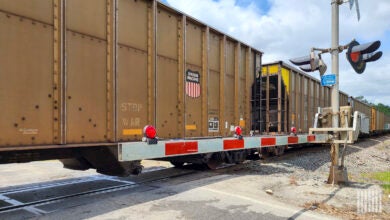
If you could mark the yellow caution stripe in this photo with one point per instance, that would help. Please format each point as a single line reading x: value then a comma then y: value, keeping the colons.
x: 128, y: 132
x: 191, y: 127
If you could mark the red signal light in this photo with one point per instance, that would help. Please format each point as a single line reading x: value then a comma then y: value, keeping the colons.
x: 150, y: 131
x: 355, y: 56
x: 238, y: 130
x: 293, y: 130
x: 360, y: 54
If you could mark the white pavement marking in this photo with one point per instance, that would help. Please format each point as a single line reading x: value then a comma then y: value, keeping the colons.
x: 51, y: 185
x: 115, y: 179
x: 33, y: 210
x: 39, y: 211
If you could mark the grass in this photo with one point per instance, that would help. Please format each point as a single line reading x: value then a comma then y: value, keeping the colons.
x: 383, y: 177
x: 386, y: 188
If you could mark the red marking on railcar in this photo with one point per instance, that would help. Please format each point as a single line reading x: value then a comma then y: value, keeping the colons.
x: 268, y: 142
x: 233, y: 144
x: 311, y: 138
x: 293, y: 140
x: 181, y: 148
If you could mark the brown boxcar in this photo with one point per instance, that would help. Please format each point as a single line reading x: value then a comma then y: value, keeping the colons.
x: 97, y: 71
x: 378, y: 121
x: 78, y: 77
x: 362, y: 107
x: 387, y: 123
x: 290, y: 98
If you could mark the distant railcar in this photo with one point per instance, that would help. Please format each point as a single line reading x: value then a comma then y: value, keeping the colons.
x: 380, y: 122
x: 291, y: 98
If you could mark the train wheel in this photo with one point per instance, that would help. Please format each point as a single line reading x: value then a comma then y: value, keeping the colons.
x: 254, y: 156
x: 239, y: 157
x: 279, y: 150
x: 265, y: 153
x: 213, y: 163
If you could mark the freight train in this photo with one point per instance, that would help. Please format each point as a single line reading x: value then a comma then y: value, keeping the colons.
x: 104, y: 84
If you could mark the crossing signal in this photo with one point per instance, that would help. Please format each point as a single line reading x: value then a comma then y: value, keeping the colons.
x: 359, y: 54
x: 310, y: 63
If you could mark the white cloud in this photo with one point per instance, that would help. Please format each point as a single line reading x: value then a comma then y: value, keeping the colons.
x: 290, y: 28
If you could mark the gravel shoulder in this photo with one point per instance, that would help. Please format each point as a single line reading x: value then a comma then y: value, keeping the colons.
x: 299, y: 178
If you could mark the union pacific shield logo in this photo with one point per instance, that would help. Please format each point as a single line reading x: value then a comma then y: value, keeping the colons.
x: 192, y: 84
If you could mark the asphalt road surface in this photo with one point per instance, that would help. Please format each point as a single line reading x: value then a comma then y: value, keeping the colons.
x: 159, y: 195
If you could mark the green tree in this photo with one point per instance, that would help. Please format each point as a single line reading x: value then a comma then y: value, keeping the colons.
x: 383, y: 108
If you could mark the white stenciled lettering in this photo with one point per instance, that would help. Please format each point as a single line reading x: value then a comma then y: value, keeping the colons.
x: 134, y: 122
x: 131, y: 107
x: 192, y: 76
x: 27, y: 131
x: 125, y: 121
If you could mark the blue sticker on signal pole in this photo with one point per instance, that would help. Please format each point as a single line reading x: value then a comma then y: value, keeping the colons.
x: 328, y: 80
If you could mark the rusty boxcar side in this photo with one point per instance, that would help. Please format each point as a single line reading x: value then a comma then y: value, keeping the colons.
x: 290, y: 98
x: 96, y: 72
x: 378, y: 122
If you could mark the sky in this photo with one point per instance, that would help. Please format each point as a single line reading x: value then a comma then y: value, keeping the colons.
x: 285, y: 29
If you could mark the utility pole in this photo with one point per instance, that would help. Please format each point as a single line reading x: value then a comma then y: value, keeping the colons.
x: 335, y: 90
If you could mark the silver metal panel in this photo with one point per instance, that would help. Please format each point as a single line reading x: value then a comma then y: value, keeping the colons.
x: 322, y: 138
x: 140, y: 151
x: 281, y: 140
x: 302, y: 139
x: 252, y: 142
x: 208, y: 146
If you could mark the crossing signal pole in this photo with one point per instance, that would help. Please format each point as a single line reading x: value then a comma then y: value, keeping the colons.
x: 334, y: 152
x: 357, y: 55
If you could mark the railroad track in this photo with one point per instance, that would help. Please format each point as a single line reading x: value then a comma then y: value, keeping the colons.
x: 14, y: 198
x: 32, y: 196
x: 28, y: 198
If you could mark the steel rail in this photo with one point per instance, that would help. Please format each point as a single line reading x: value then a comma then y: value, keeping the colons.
x: 86, y: 193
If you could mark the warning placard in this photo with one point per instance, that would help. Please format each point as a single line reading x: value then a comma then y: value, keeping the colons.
x: 213, y: 124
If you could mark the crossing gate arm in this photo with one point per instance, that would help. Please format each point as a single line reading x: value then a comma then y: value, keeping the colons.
x: 129, y: 151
